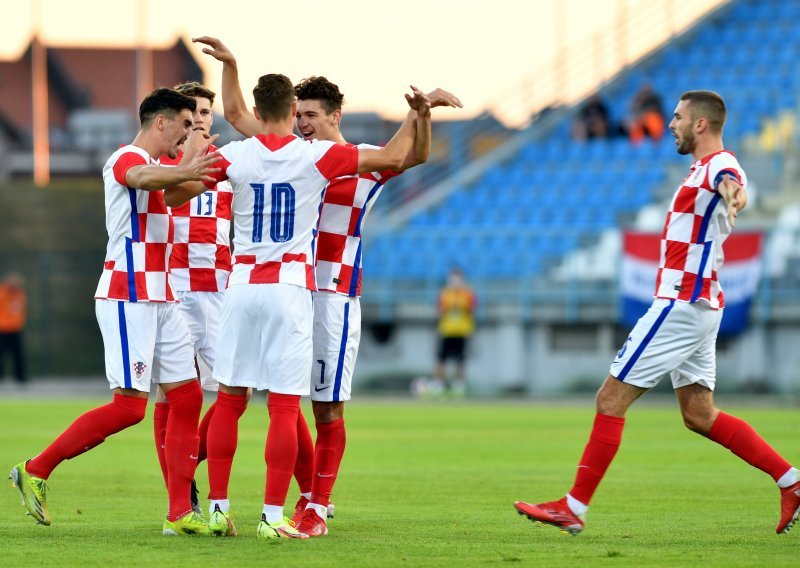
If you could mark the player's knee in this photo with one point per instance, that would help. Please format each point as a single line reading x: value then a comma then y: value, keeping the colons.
x: 699, y: 422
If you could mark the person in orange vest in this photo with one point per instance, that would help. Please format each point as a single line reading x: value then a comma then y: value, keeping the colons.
x: 456, y: 323
x: 13, y: 304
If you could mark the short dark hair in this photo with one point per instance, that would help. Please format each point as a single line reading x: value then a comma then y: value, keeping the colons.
x: 708, y: 105
x: 274, y: 95
x: 322, y: 90
x: 164, y: 101
x: 195, y: 89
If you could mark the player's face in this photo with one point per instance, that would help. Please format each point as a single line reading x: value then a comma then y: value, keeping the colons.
x: 682, y: 128
x: 314, y: 123
x: 176, y: 130
x: 202, y: 117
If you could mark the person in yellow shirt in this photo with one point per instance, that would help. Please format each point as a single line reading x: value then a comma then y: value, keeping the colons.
x: 456, y: 323
x: 13, y: 306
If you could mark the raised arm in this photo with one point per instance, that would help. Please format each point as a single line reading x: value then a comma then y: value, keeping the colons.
x: 393, y: 156
x: 234, y: 108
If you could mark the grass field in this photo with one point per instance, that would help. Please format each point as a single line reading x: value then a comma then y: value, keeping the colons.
x: 422, y: 484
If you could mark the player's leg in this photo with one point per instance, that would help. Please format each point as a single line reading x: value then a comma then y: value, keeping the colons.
x: 655, y: 346
x: 458, y: 387
x: 337, y: 334
x: 701, y: 415
x: 128, y: 337
x: 287, y: 314
x: 303, y: 467
x: 175, y: 372
x: 160, y: 418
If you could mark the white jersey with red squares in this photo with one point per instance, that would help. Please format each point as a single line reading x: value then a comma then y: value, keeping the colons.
x: 278, y: 184
x: 139, y: 235
x: 201, y: 251
x: 345, y: 207
x: 697, y: 225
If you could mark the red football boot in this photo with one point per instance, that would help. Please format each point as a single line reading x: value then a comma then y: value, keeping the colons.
x: 555, y: 513
x: 790, y: 508
x: 312, y: 524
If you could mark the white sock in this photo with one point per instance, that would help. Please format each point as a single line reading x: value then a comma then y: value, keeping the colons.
x: 578, y: 509
x: 789, y: 478
x: 306, y: 495
x: 224, y: 505
x: 321, y: 510
x: 274, y: 513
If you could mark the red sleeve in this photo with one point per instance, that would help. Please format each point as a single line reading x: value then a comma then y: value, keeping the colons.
x: 221, y: 175
x: 125, y: 162
x: 338, y: 161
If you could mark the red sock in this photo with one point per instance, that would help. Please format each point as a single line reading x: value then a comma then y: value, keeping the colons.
x: 202, y: 431
x: 600, y: 451
x: 182, y: 442
x: 281, y: 451
x: 223, y: 435
x: 331, y: 439
x: 88, y: 431
x: 741, y: 439
x: 160, y: 416
x: 304, y: 466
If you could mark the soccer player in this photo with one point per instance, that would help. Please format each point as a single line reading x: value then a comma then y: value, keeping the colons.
x: 337, y: 311
x: 199, y: 267
x: 678, y: 333
x: 266, y: 330
x: 145, y: 338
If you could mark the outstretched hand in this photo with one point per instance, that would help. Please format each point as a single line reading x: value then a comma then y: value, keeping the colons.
x: 440, y: 97
x: 418, y: 101
x: 734, y: 195
x: 215, y: 49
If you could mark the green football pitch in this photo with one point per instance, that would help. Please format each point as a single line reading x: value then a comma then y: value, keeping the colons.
x: 422, y: 484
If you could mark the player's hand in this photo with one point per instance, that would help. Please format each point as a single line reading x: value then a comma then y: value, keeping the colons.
x: 215, y: 49
x: 440, y: 97
x: 197, y: 143
x: 735, y: 196
x: 200, y: 168
x: 418, y: 101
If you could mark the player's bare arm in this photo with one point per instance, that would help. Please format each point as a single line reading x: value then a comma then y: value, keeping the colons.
x: 393, y: 155
x: 154, y: 178
x: 195, y: 152
x: 233, y: 105
x: 422, y: 132
x: 734, y: 195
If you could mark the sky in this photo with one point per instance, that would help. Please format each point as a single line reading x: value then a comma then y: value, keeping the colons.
x: 487, y: 52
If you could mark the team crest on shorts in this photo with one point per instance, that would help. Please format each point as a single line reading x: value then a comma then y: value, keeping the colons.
x: 139, y: 368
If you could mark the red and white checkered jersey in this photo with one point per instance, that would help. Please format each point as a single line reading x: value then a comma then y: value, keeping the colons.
x: 201, y: 252
x: 697, y: 225
x: 139, y: 235
x: 278, y: 184
x: 345, y: 207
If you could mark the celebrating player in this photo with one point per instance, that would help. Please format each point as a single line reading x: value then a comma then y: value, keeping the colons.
x: 678, y: 334
x: 337, y: 311
x: 145, y: 338
x: 266, y: 328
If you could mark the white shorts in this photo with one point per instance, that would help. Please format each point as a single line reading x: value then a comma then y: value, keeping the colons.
x: 144, y: 342
x: 337, y: 333
x: 673, y: 337
x: 265, y: 338
x: 201, y: 311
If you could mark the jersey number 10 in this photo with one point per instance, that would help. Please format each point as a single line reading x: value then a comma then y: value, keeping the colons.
x: 281, y: 220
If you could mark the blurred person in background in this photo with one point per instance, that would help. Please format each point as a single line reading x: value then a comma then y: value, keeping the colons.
x: 456, y: 324
x: 647, y: 116
x: 592, y: 120
x: 13, y: 308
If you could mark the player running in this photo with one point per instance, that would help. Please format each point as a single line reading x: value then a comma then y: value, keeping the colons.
x: 337, y: 310
x: 678, y: 334
x: 266, y: 329
x: 145, y: 338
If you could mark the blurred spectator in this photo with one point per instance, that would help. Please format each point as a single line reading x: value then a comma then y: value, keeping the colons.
x: 12, y: 321
x: 456, y: 324
x: 592, y: 120
x: 646, y: 116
